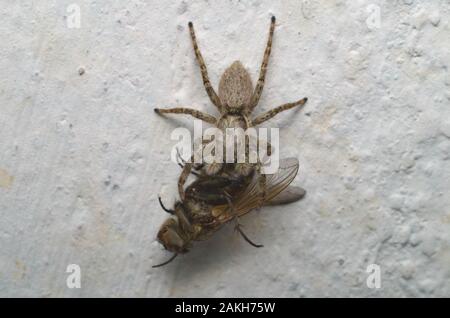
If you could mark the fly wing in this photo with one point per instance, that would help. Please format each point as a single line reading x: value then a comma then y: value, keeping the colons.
x: 250, y: 198
x: 288, y: 195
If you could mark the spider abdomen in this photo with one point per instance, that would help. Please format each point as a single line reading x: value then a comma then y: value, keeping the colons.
x: 235, y: 87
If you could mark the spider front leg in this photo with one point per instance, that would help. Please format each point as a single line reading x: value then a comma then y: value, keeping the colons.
x: 187, y: 170
x: 188, y: 111
x: 273, y: 112
x: 205, y: 169
x: 206, y: 82
x: 182, y: 179
x: 181, y: 162
x: 262, y: 73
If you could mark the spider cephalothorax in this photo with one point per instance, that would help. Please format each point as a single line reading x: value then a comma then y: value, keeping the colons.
x: 236, y: 100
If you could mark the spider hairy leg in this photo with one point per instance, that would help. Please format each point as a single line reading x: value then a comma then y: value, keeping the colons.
x: 206, y: 82
x: 262, y: 73
x: 188, y: 111
x: 273, y: 112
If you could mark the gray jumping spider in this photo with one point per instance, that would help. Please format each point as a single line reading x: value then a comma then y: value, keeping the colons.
x: 236, y: 100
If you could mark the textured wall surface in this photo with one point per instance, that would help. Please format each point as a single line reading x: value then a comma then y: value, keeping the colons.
x: 83, y: 156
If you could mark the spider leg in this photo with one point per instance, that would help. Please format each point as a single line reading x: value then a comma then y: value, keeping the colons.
x: 265, y: 150
x: 209, y: 89
x: 262, y: 73
x: 198, y: 175
x: 271, y: 113
x: 188, y: 111
x: 180, y: 159
x: 187, y: 170
x: 182, y: 179
x: 181, y: 162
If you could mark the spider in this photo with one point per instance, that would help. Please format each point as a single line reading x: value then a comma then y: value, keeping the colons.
x: 236, y: 100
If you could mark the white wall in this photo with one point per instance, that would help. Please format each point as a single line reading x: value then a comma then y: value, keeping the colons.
x: 82, y: 158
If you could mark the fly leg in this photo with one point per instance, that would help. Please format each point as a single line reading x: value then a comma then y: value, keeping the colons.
x: 182, y: 163
x: 262, y: 184
x: 237, y: 227
x: 164, y: 208
x: 166, y: 262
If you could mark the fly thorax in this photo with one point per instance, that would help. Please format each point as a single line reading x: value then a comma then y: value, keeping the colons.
x: 196, y: 208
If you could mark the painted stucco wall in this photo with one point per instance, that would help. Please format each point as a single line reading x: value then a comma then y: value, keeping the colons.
x: 83, y: 156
